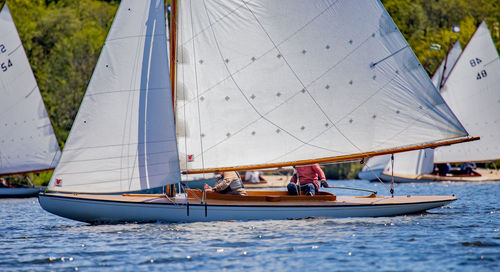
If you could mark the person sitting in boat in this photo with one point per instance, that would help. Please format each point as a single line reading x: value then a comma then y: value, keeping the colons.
x: 228, y: 183
x: 254, y: 177
x: 3, y: 183
x: 467, y: 167
x: 307, y: 176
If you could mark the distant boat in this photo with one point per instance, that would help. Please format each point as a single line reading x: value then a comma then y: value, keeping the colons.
x: 374, y: 167
x: 256, y: 85
x: 27, y: 140
x: 469, y: 81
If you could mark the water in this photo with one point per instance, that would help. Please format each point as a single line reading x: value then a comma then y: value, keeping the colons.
x: 464, y: 236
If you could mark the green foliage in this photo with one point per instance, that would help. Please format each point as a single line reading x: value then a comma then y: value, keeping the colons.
x: 63, y: 40
x: 423, y: 22
x: 342, y: 170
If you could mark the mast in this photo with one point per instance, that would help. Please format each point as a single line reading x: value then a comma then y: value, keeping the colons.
x: 334, y: 159
x: 173, y: 46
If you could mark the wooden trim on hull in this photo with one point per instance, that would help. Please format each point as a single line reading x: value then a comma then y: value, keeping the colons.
x: 332, y: 159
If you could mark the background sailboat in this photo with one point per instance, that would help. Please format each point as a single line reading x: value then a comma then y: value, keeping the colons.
x: 27, y: 140
x: 257, y: 85
x: 474, y: 99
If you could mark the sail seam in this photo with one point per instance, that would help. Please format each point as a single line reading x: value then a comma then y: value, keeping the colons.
x: 298, y: 78
x: 262, y: 117
x: 197, y: 86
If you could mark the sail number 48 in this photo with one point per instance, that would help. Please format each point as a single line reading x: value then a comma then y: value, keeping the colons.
x: 481, y: 74
x: 476, y: 61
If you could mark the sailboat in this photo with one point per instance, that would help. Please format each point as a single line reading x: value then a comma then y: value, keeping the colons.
x: 473, y: 97
x: 27, y: 140
x: 253, y: 85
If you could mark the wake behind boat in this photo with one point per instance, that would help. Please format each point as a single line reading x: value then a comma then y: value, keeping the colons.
x: 254, y: 85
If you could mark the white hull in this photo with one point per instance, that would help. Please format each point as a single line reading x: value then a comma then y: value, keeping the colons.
x: 20, y: 192
x: 113, y: 209
x: 370, y: 175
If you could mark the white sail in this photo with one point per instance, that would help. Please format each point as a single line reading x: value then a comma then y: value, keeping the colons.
x: 441, y: 74
x: 417, y: 162
x: 473, y: 93
x: 421, y: 162
x: 378, y: 162
x: 27, y: 140
x: 123, y: 138
x: 271, y: 81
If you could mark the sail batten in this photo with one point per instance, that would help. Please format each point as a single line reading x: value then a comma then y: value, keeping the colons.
x: 265, y: 82
x: 27, y: 140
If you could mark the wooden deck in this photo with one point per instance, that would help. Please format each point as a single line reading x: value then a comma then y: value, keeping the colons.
x: 325, y: 199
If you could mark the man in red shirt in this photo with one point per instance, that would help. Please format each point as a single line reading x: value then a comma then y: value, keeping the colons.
x: 308, y: 179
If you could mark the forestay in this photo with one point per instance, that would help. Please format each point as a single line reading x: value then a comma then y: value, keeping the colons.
x: 27, y: 140
x: 473, y: 93
x: 441, y: 74
x: 268, y: 81
x: 123, y: 138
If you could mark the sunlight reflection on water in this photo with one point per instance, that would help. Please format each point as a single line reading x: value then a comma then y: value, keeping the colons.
x: 461, y: 236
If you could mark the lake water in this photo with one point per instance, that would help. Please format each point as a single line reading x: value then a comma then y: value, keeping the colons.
x: 464, y: 236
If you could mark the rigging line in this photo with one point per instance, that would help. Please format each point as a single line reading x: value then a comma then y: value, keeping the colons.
x: 261, y: 118
x: 118, y: 145
x: 110, y: 169
x: 127, y: 90
x: 302, y: 83
x: 116, y: 157
x: 196, y: 82
x: 327, y: 129
x: 211, y: 24
x: 378, y: 178
x: 266, y: 52
x: 241, y: 91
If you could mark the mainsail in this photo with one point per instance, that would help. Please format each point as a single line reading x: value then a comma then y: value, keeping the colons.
x: 473, y: 93
x: 27, y: 140
x: 268, y: 81
x: 123, y: 138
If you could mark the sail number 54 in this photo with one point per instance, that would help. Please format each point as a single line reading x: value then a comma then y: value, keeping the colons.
x: 6, y: 65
